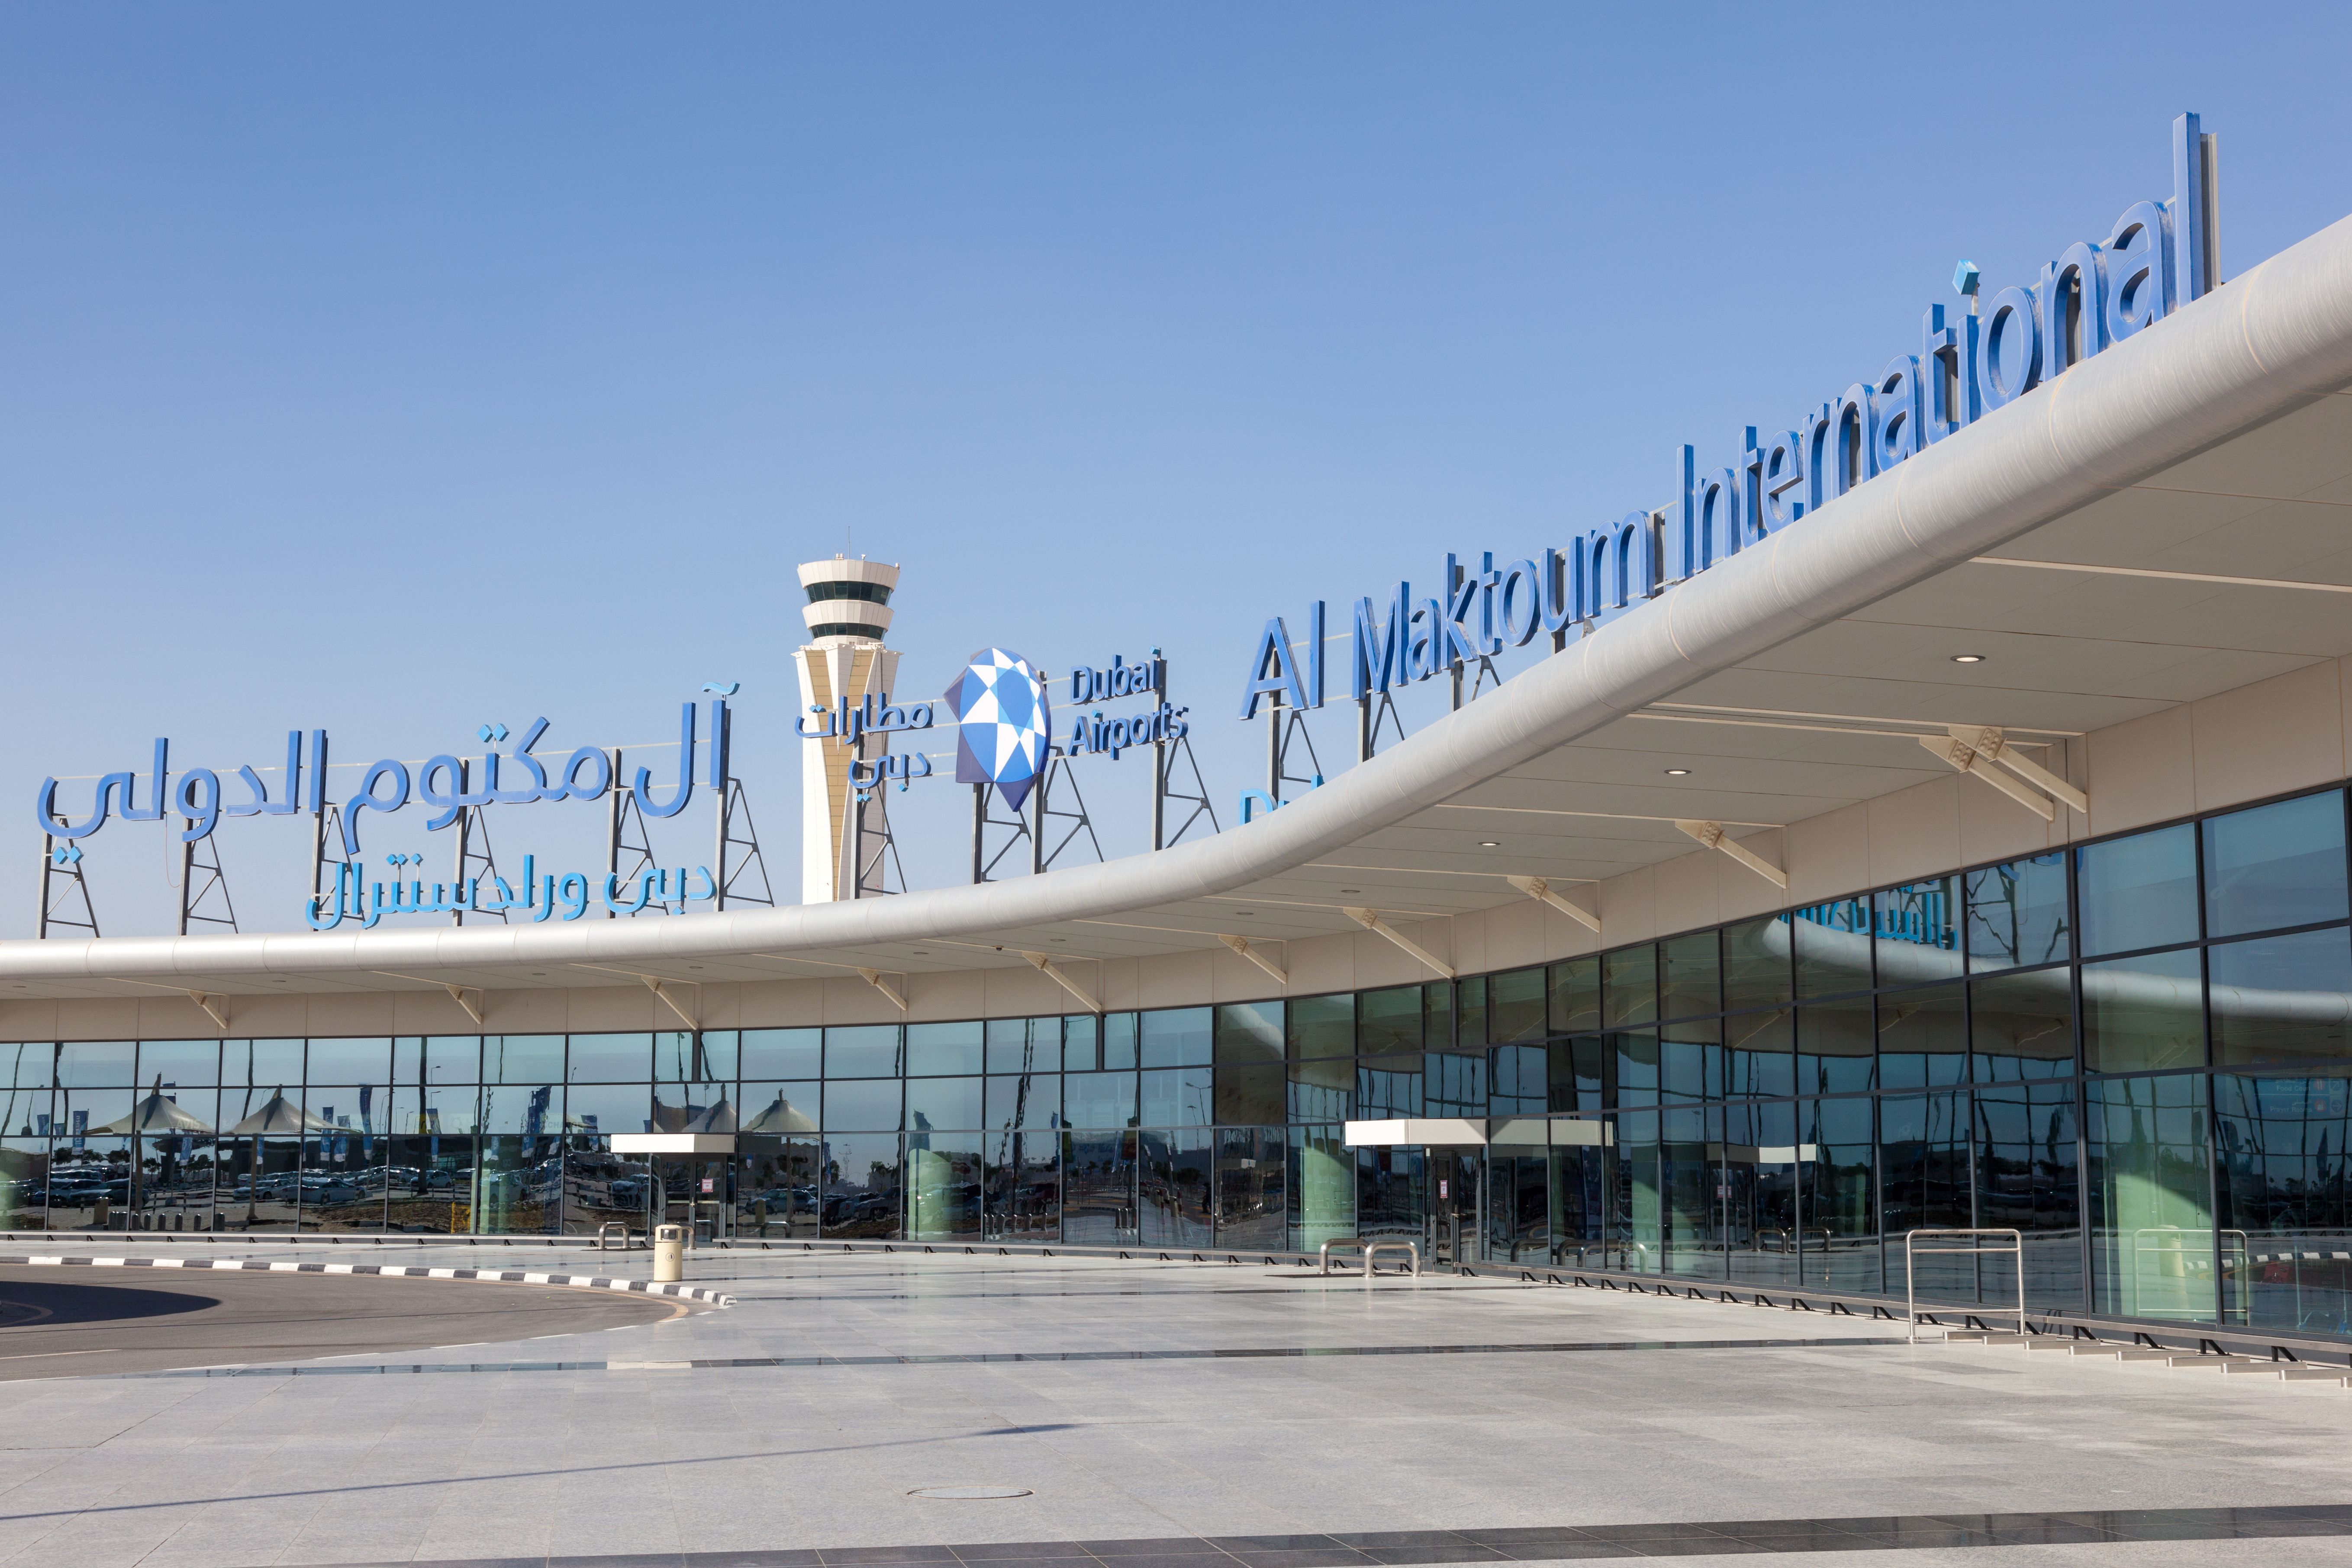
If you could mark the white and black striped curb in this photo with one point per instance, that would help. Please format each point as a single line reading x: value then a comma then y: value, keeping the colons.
x: 388, y: 1272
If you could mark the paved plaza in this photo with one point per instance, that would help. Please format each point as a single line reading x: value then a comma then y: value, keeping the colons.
x: 1167, y: 1415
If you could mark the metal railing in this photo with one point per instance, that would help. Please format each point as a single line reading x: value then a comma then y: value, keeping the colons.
x: 1370, y: 1250
x: 1976, y: 1248
x: 604, y: 1232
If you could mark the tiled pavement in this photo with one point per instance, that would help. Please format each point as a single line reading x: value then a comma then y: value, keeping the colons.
x: 790, y: 1430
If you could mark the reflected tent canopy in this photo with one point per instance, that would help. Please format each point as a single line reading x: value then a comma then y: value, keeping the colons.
x: 156, y: 1113
x: 781, y: 1117
x: 720, y: 1117
x: 280, y: 1115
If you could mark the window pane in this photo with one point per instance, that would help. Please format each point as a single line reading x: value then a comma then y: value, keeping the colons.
x: 1177, y: 1097
x: 1629, y: 986
x: 1690, y: 975
x: 1918, y: 931
x: 1453, y: 1084
x: 2152, y: 1238
x: 1470, y: 1022
x: 96, y: 1064
x: 2143, y: 1013
x: 2283, y: 999
x: 782, y: 1053
x: 1249, y: 1032
x: 2026, y: 1180
x: 2275, y: 865
x: 2017, y: 913
x: 1690, y: 1060
x: 534, y: 1110
x: 600, y: 1110
x: 1835, y: 1046
x: 1832, y: 944
x: 35, y: 1066
x: 611, y: 1058
x: 861, y: 1185
x: 788, y: 1109
x: 934, y: 1049
x: 1024, y: 1100
x: 1923, y: 1038
x: 1250, y: 1199
x: 943, y: 1103
x: 865, y: 1051
x: 1251, y: 1096
x: 1320, y: 1090
x: 2023, y: 1027
x: 190, y: 1063
x: 861, y: 1105
x: 1025, y: 1044
x: 1388, y: 1020
x: 2279, y: 1147
x: 1323, y: 1027
x: 1118, y: 1040
x: 2139, y: 891
x: 1576, y: 995
x: 450, y: 1058
x: 943, y: 1177
x: 1174, y: 1188
x: 1515, y: 1006
x: 1758, y: 1058
x: 1104, y: 1100
x: 680, y: 1056
x: 716, y: 1052
x: 522, y: 1059
x: 1098, y: 1189
x: 1756, y: 963
x: 1839, y: 1216
x: 1323, y: 1193
x: 1637, y: 1067
x: 1176, y: 1037
x: 1082, y: 1043
x: 1437, y: 1021
x: 1388, y: 1087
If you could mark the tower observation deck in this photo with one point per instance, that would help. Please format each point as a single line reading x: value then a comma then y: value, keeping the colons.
x: 847, y: 615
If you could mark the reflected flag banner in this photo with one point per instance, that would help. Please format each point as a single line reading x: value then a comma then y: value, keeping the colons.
x: 1004, y: 724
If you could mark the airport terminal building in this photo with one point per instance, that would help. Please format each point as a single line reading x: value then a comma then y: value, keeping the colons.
x: 1934, y: 818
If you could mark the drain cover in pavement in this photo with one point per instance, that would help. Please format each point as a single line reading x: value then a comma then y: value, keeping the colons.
x: 969, y: 1493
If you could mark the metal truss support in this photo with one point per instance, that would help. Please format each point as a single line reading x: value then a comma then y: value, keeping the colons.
x: 1241, y: 945
x: 1375, y: 711
x: 869, y: 854
x: 628, y: 844
x: 328, y: 856
x: 1286, y: 733
x: 1043, y: 824
x: 203, y: 891
x: 65, y: 895
x: 1193, y: 801
x: 1370, y: 920
x: 1487, y: 676
x: 1013, y: 833
x: 1711, y: 834
x: 1055, y: 972
x: 1543, y: 892
x: 742, y: 873
x: 475, y: 856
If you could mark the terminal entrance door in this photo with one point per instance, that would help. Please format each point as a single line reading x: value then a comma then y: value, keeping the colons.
x: 694, y: 1191
x: 1453, y: 1193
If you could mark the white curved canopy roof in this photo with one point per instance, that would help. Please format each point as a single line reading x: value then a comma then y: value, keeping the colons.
x: 2176, y: 473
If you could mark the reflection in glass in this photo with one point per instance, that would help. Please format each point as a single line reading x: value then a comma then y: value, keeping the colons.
x: 1320, y: 1090
x: 1927, y: 1183
x: 1388, y: 1020
x: 1690, y: 975
x: 781, y: 1054
x: 1838, y: 1230
x: 1098, y: 1188
x: 1099, y: 1100
x: 2017, y: 913
x: 1832, y: 942
x: 869, y: 1105
x: 522, y: 1059
x: 1760, y: 1187
x: 24, y: 1183
x: 1174, y: 1187
x: 2022, y: 1027
x: 2152, y: 1239
x: 1917, y: 929
x: 862, y: 1050
x: 1391, y: 1195
x: 943, y: 1102
x: 1249, y: 1032
x: 1518, y: 1081
x: 344, y: 1160
x: 940, y: 1050
x: 1470, y: 1019
x: 1250, y: 1096
x: 1575, y: 984
x: 1388, y: 1087
x: 2139, y: 891
x: 1322, y: 1197
x: 611, y: 1058
x: 1025, y: 1044
x: 1177, y: 1097
x: 1323, y: 1027
x: 437, y: 1059
x: 778, y: 1194
x: 1024, y: 1198
x: 1836, y: 1047
x: 1453, y: 1084
x: 101, y: 1064
x: 1923, y: 1038
x: 1756, y: 963
x: 1518, y: 1206
x: 1176, y: 1037
x: 943, y: 1178
x: 2282, y: 1000
x: 1635, y: 1056
x: 2280, y: 1173
x: 1119, y: 1042
x: 1020, y: 1100
x: 861, y: 1198
x: 601, y: 1110
x: 34, y: 1066
x: 1758, y: 1053
x: 429, y: 1168
x: 1515, y: 1006
x: 1250, y: 1195
x: 365, y: 1060
x: 1629, y: 986
x: 2279, y: 865
x: 181, y: 1064
x: 2026, y: 1181
x: 2143, y: 1013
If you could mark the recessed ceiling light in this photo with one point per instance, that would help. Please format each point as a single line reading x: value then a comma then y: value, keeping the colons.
x: 1677, y: 772
x: 1490, y: 844
x: 1968, y: 658
x: 1352, y: 890
x: 1060, y: 939
x: 922, y: 952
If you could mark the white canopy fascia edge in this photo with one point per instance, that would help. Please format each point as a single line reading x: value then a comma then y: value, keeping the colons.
x: 2273, y: 340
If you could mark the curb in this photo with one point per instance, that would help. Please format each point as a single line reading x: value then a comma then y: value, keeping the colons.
x: 385, y: 1270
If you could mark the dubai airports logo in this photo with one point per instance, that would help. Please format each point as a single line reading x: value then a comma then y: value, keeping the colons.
x: 1005, y: 727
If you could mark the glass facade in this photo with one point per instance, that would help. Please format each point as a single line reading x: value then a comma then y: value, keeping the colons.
x: 2136, y: 1051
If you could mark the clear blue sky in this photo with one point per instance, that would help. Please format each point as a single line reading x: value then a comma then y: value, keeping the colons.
x: 396, y: 369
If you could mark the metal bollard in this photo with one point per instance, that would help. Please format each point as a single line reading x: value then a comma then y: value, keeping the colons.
x: 670, y: 1254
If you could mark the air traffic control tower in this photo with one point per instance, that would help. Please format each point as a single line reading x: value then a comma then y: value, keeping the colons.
x: 848, y: 613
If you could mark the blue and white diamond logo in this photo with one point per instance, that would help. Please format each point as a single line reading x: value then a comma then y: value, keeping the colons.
x: 1005, y: 727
